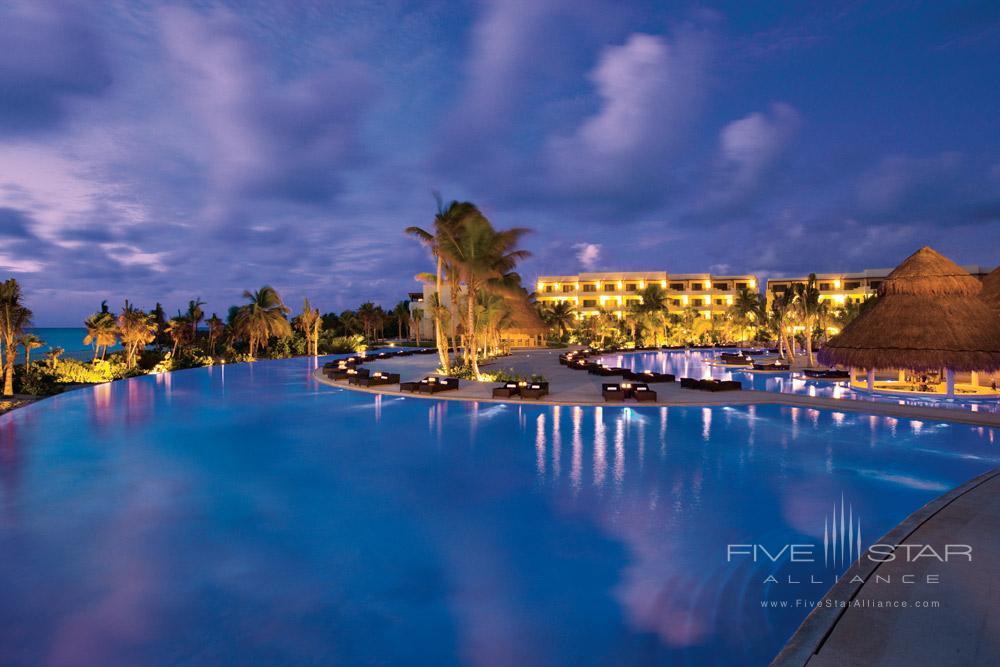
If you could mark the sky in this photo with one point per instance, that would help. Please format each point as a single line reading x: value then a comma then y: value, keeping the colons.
x: 162, y: 151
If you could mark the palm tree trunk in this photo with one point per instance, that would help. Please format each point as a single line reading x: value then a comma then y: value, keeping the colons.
x: 8, y: 376
x: 470, y: 336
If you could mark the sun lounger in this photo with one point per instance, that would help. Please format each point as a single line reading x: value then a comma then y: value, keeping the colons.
x: 641, y: 392
x: 506, y: 390
x: 826, y: 374
x: 719, y: 385
x: 435, y: 385
x: 609, y: 371
x: 376, y: 379
x: 612, y: 392
x: 535, y: 390
x: 410, y: 386
x: 689, y: 383
x: 353, y: 373
x: 649, y: 376
x: 771, y: 366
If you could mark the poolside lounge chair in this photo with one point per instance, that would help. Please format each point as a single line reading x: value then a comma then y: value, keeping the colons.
x: 411, y: 386
x: 612, y: 392
x: 535, y: 390
x: 719, y: 385
x: 353, y: 374
x: 338, y: 373
x: 826, y: 374
x: 641, y: 392
x: 775, y: 365
x: 649, y: 376
x: 507, y: 390
x: 376, y: 379
x: 735, y: 359
x: 433, y: 385
x: 689, y: 383
x: 609, y: 371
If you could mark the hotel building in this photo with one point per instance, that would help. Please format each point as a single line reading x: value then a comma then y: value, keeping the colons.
x: 842, y: 288
x: 593, y: 293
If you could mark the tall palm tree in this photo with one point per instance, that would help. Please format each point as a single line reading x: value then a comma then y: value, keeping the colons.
x: 216, y: 327
x: 483, y: 257
x: 137, y: 329
x: 102, y: 330
x: 558, y: 316
x: 262, y: 318
x: 446, y: 228
x: 14, y: 317
x: 402, y: 313
x: 654, y: 298
x: 416, y: 318
x: 309, y: 323
x: 179, y: 330
x: 368, y: 314
x: 808, y: 309
x: 29, y: 342
x: 747, y: 310
x: 53, y: 353
x: 195, y: 315
x: 781, y: 318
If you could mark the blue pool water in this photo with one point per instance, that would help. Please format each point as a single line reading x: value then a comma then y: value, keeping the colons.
x: 698, y: 363
x: 247, y: 515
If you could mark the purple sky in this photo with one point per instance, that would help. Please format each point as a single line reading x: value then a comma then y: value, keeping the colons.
x: 165, y: 151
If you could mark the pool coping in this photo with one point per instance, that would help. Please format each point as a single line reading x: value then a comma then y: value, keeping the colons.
x: 811, y: 635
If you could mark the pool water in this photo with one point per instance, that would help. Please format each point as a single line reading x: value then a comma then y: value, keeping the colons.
x: 698, y: 363
x: 248, y: 515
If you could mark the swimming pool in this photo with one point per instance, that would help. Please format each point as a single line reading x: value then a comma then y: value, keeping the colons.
x: 695, y: 363
x: 246, y: 514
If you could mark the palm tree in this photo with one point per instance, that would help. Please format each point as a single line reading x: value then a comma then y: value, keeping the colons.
x: 215, y: 329
x: 447, y: 226
x: 654, y: 298
x: 747, y: 310
x: 179, y: 330
x: 558, y: 316
x: 14, y: 317
x: 368, y: 314
x: 262, y: 318
x: 483, y: 257
x: 402, y: 313
x: 195, y: 315
x: 52, y: 355
x: 807, y: 309
x: 102, y: 330
x: 416, y: 318
x: 309, y: 323
x: 30, y: 342
x: 137, y: 330
x: 781, y: 316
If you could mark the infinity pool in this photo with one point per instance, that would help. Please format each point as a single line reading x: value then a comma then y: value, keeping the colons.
x: 246, y: 514
x: 696, y: 363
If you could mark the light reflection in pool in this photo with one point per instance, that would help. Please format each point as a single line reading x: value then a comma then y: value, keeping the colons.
x: 271, y: 519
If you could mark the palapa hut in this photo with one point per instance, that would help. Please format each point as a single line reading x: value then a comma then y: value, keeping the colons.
x: 929, y: 317
x: 991, y: 290
x: 526, y: 328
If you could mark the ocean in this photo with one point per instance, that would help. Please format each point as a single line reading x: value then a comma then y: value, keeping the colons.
x: 68, y: 338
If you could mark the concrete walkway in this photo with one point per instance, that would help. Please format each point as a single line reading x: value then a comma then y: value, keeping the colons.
x: 575, y: 387
x: 964, y: 629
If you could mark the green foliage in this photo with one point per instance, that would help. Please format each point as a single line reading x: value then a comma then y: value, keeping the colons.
x: 39, y: 380
x: 331, y: 344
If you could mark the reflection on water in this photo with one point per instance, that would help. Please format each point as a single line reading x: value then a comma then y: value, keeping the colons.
x: 700, y: 364
x: 149, y: 519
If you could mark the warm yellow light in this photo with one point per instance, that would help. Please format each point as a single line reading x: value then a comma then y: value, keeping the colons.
x: 707, y: 314
x: 753, y: 283
x: 663, y: 284
x: 620, y: 285
x: 576, y: 286
x: 555, y: 285
x: 602, y: 299
x: 684, y: 300
x: 642, y: 284
x: 541, y: 285
x: 729, y: 300
x: 708, y: 284
x: 839, y: 298
x: 619, y: 314
x: 836, y: 284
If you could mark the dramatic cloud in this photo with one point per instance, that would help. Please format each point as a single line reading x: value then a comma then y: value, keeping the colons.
x: 650, y: 89
x: 161, y: 151
x: 588, y: 254
x: 751, y: 145
x: 49, y: 58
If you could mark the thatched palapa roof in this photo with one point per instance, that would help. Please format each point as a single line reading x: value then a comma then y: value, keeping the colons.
x: 929, y: 316
x: 991, y: 289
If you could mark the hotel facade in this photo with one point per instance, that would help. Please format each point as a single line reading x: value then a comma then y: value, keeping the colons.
x: 614, y: 292
x: 844, y: 288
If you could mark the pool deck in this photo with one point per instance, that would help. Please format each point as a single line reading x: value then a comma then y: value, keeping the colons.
x: 568, y: 386
x: 963, y: 630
